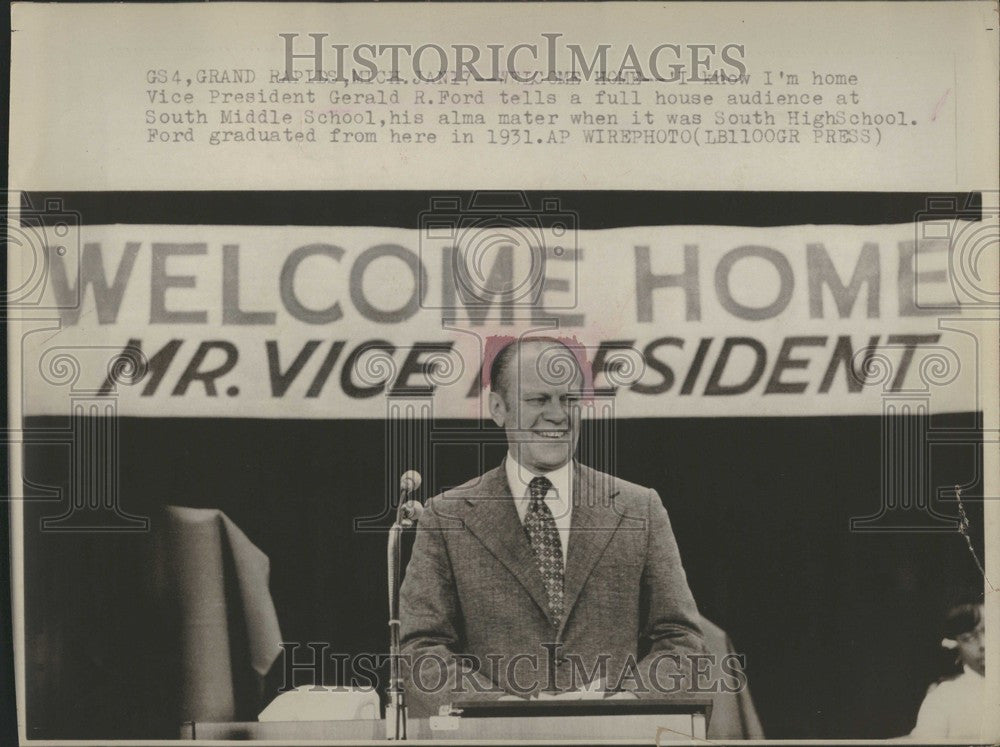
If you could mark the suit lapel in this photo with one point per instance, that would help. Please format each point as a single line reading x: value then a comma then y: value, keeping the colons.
x: 594, y: 521
x: 495, y: 523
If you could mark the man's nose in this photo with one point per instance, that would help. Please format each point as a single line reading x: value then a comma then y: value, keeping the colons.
x: 555, y: 411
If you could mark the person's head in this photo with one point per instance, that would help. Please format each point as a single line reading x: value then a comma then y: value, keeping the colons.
x: 534, y: 387
x: 964, y: 633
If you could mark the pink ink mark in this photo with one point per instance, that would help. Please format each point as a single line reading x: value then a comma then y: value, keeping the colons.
x: 937, y: 106
x: 495, y: 343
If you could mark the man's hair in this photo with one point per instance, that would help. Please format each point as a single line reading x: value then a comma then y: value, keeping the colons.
x: 502, y: 360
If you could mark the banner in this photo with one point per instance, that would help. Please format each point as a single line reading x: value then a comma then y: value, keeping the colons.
x: 327, y: 322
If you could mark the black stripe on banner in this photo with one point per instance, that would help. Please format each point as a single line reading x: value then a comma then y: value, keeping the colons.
x: 590, y: 209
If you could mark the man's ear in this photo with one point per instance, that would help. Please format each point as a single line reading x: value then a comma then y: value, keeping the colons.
x: 498, y: 409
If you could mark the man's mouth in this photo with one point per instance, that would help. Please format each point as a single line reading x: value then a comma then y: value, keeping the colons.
x: 553, y: 434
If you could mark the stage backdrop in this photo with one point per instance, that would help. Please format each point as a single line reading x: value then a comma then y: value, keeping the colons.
x: 803, y: 394
x: 840, y: 628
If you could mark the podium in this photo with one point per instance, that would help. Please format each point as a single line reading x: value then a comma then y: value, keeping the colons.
x: 650, y: 722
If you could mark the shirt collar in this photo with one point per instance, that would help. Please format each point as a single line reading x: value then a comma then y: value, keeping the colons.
x: 518, y: 478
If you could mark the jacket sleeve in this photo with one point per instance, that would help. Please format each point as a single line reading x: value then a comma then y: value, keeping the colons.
x: 431, y: 627
x: 670, y: 624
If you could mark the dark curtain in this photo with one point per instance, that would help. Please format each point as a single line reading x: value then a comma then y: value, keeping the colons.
x: 839, y: 628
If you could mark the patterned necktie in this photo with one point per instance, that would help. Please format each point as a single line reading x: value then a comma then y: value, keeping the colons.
x: 544, y: 538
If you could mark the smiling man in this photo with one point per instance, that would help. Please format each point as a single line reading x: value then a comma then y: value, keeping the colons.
x: 544, y: 575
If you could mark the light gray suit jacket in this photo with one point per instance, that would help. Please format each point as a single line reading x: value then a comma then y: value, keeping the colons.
x: 473, y: 587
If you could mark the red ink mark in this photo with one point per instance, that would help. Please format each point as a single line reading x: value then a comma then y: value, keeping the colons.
x: 937, y: 106
x: 495, y: 343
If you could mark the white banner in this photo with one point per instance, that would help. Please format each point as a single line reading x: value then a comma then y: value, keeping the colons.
x: 327, y: 322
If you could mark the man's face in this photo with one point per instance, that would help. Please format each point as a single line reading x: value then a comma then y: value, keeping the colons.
x: 971, y: 649
x: 539, y: 408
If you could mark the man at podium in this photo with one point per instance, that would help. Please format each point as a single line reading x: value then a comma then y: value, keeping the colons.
x: 543, y: 574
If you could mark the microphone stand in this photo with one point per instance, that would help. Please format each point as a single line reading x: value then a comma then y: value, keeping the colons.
x: 395, y: 709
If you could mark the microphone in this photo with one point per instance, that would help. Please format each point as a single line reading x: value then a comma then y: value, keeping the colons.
x: 411, y: 510
x: 407, y: 515
x: 409, y: 481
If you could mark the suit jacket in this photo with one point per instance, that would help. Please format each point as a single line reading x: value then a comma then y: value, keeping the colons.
x: 473, y: 587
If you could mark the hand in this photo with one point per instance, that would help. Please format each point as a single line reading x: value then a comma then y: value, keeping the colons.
x: 562, y: 695
x: 623, y: 695
x: 591, y: 691
x: 598, y: 687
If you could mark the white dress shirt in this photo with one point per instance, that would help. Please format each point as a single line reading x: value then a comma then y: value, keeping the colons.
x: 953, y: 709
x: 559, y: 497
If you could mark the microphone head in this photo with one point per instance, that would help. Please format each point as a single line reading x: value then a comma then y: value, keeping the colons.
x: 410, y: 481
x: 411, y: 513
